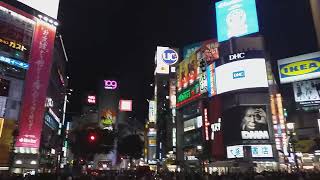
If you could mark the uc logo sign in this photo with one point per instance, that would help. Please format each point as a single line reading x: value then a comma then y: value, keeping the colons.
x: 170, y: 56
x: 299, y: 68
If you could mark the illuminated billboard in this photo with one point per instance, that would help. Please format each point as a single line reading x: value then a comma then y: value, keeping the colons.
x: 15, y: 37
x: 257, y: 151
x: 165, y: 57
x: 211, y: 82
x: 36, y: 83
x: 250, y: 73
x: 110, y: 84
x: 172, y: 93
x: 125, y: 105
x: 188, y: 72
x: 307, y: 93
x: 299, y: 68
x: 108, y: 117
x: 48, y: 7
x: 170, y: 56
x: 236, y: 18
x: 208, y: 51
x: 91, y: 99
x: 188, y: 94
x: 152, y: 111
x: 251, y: 120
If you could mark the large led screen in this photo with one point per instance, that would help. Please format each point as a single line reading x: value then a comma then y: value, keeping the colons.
x: 243, y: 74
x: 245, y: 123
x: 236, y: 18
x: 188, y: 72
x: 299, y: 68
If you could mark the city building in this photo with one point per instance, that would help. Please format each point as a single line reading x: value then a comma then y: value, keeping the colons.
x: 33, y: 66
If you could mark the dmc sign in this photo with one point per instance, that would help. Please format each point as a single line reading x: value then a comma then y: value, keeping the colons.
x: 237, y: 56
x: 238, y: 74
x: 170, y: 56
x: 110, y: 84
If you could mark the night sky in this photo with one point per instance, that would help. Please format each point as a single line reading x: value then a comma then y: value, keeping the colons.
x: 118, y: 38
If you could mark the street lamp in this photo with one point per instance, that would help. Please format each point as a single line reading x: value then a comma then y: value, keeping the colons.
x: 292, y: 142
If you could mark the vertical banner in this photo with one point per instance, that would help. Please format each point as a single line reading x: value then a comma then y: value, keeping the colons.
x: 36, y: 84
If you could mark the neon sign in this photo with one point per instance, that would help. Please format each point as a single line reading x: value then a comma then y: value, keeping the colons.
x: 91, y: 99
x: 215, y: 128
x: 14, y: 62
x: 110, y: 84
x: 188, y: 95
x: 206, y: 124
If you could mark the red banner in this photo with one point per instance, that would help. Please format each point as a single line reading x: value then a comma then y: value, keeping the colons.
x: 36, y: 84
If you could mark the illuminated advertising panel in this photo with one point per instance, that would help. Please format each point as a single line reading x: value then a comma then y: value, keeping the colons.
x: 15, y: 36
x: 243, y: 74
x: 110, y: 84
x: 261, y: 151
x: 48, y: 7
x: 306, y: 93
x: 188, y: 94
x: 125, y: 105
x: 161, y: 66
x: 252, y: 54
x: 299, y: 68
x: 172, y: 93
x: 203, y: 83
x: 152, y: 111
x: 91, y: 99
x: 211, y: 80
x: 36, y: 83
x: 192, y: 124
x: 208, y: 51
x: 236, y: 18
x: 235, y: 151
x: 170, y: 56
x: 191, y: 49
x: 251, y: 120
x: 188, y: 72
x: 257, y: 151
x: 108, y: 117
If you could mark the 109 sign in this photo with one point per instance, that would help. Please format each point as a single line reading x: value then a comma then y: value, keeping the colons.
x: 170, y: 56
x: 110, y: 84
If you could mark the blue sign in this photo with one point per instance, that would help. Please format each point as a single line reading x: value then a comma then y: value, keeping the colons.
x: 236, y: 18
x: 14, y: 62
x: 50, y: 122
x: 170, y: 56
x: 238, y: 74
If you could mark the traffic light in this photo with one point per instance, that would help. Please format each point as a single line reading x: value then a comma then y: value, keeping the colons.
x: 92, y: 137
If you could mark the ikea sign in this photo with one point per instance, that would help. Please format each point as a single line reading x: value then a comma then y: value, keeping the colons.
x: 299, y: 68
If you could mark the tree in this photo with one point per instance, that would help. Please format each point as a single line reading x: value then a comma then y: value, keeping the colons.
x: 131, y: 146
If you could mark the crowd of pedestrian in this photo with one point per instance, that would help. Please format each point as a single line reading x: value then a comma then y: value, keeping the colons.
x: 172, y: 176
